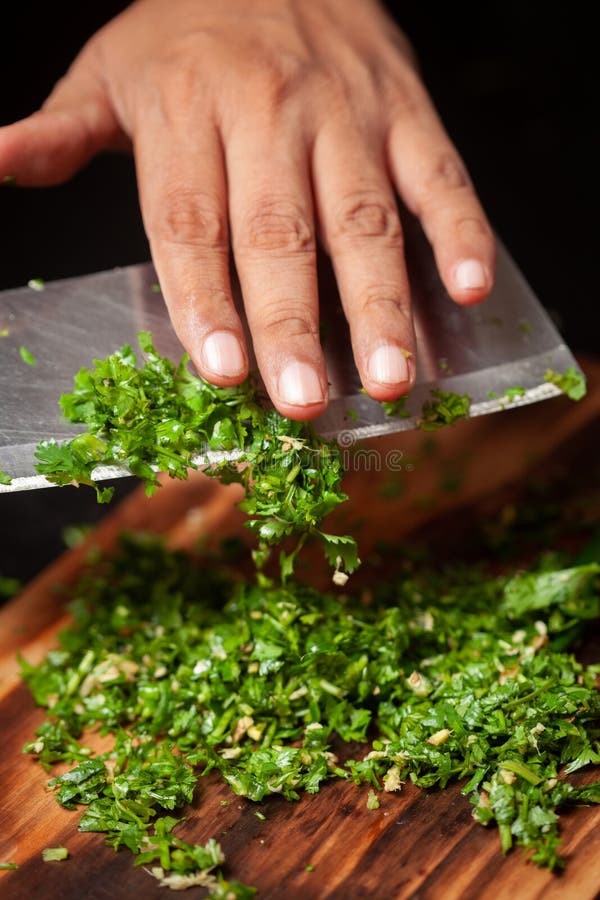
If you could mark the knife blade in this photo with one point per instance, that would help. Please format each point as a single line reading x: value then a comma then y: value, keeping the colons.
x: 508, y: 341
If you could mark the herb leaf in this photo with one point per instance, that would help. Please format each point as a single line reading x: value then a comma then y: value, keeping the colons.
x: 27, y: 356
x: 444, y: 408
x: 571, y: 382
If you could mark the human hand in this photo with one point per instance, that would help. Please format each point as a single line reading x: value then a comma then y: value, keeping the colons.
x: 267, y: 124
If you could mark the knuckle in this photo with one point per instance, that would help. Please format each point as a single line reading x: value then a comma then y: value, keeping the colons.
x: 290, y: 319
x: 402, y: 102
x: 447, y: 174
x: 366, y: 214
x: 171, y: 88
x: 277, y: 78
x: 331, y: 83
x: 276, y: 225
x: 474, y: 226
x: 189, y: 218
x: 385, y: 300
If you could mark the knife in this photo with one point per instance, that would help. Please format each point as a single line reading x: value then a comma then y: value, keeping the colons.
x: 508, y: 341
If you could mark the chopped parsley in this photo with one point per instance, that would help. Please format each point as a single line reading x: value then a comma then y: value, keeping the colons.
x: 571, y: 382
x: 76, y: 535
x: 8, y: 866
x: 9, y: 586
x: 36, y: 284
x: 27, y: 356
x: 4, y: 478
x: 443, y: 675
x: 510, y: 395
x: 55, y: 854
x: 160, y: 416
x: 396, y: 408
x: 444, y: 408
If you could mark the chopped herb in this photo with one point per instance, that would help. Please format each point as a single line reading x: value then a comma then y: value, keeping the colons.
x: 9, y: 587
x: 4, y: 332
x: 510, y: 394
x: 396, y: 408
x: 4, y: 478
x: 444, y: 366
x: 160, y: 416
x: 260, y: 815
x: 36, y: 284
x: 451, y: 479
x: 372, y: 800
x: 76, y: 535
x: 54, y: 854
x: 444, y: 408
x: 256, y: 679
x: 492, y: 694
x: 309, y: 868
x: 393, y: 488
x: 5, y: 866
x: 352, y: 414
x: 571, y: 382
x: 27, y: 356
x: 525, y: 326
x: 156, y: 288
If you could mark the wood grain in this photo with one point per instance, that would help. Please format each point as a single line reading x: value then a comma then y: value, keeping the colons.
x: 416, y: 845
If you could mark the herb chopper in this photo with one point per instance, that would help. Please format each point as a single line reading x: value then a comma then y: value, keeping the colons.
x: 484, y: 351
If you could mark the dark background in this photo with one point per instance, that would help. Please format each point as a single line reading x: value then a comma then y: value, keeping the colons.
x: 516, y: 86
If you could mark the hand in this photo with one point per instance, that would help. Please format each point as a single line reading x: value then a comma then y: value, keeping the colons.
x: 267, y: 123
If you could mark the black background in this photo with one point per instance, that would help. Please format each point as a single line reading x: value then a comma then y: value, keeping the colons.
x: 515, y: 84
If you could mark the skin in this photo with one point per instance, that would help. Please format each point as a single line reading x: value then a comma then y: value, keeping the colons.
x: 269, y: 125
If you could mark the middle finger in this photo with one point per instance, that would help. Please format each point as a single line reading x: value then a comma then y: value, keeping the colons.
x: 360, y: 223
x: 273, y: 238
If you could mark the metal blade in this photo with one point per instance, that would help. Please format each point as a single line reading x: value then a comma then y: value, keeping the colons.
x: 508, y: 341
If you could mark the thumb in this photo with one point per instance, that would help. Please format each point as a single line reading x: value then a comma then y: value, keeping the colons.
x: 76, y: 122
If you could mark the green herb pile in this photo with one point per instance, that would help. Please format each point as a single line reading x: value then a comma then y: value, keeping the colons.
x: 440, y: 675
x: 443, y: 675
x: 160, y: 416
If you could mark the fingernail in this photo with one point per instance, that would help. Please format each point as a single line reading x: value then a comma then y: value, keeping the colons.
x: 388, y: 365
x: 299, y: 385
x: 470, y: 275
x: 222, y: 354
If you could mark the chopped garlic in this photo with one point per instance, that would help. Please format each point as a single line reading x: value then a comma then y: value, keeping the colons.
x: 439, y: 737
x: 391, y: 781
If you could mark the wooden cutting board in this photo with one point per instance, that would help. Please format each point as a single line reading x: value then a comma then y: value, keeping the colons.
x: 416, y: 845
